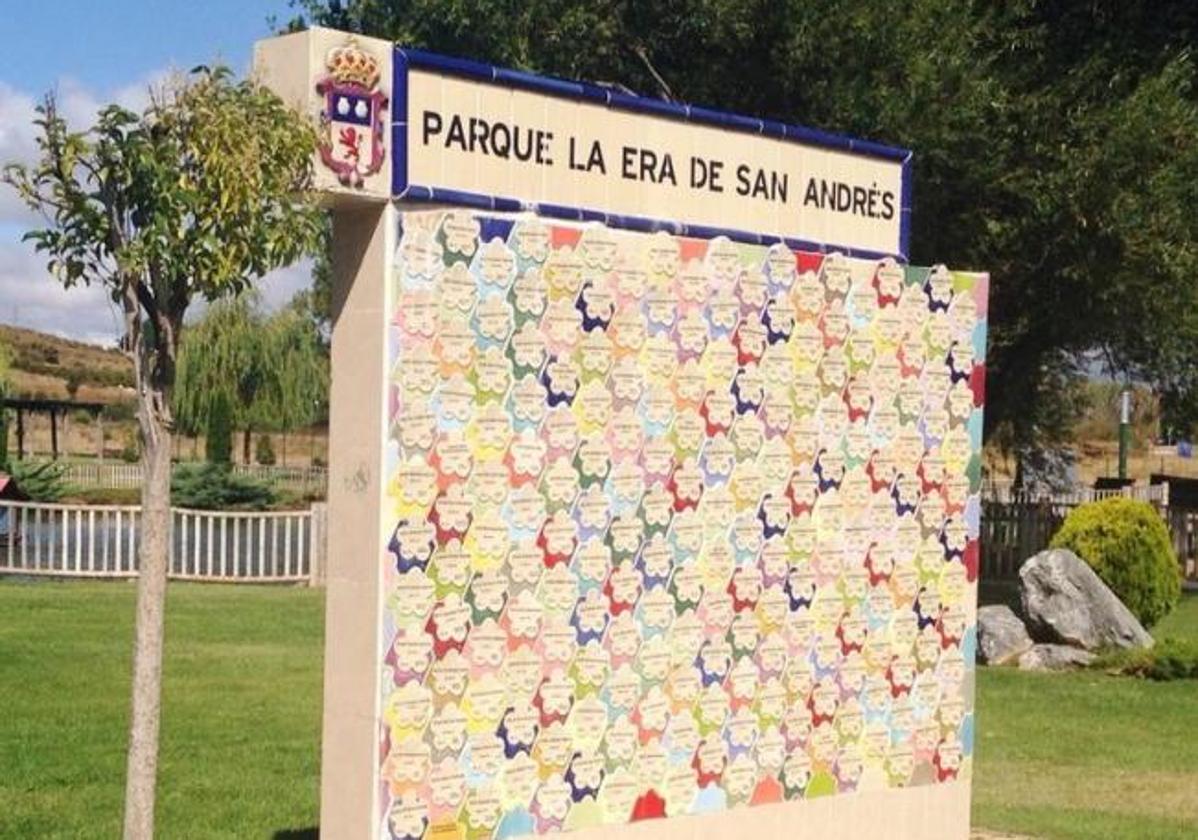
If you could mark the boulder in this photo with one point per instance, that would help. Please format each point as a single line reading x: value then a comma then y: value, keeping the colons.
x: 1054, y: 658
x: 1065, y: 602
x: 1001, y: 635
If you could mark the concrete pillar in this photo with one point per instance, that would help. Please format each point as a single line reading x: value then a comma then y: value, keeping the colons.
x: 362, y: 241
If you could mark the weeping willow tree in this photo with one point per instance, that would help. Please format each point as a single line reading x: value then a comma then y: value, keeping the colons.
x: 272, y: 372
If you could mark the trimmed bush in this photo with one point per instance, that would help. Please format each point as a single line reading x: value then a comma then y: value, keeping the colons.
x: 1127, y: 544
x: 217, y: 487
x: 41, y: 481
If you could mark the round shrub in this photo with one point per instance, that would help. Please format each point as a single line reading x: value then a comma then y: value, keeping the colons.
x: 1127, y: 544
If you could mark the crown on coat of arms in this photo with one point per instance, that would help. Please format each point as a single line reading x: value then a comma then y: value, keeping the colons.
x: 351, y: 63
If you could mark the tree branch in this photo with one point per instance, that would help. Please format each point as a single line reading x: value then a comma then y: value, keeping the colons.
x: 667, y: 94
x: 146, y: 298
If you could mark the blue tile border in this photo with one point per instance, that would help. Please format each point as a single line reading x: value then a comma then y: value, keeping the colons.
x: 399, y: 123
x: 906, y: 207
x: 405, y: 58
x: 643, y: 224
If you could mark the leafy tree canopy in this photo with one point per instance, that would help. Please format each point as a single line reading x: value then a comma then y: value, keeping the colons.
x: 1056, y: 144
x: 193, y: 198
x: 271, y: 371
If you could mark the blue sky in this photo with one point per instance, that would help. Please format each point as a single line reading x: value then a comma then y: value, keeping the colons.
x: 91, y: 52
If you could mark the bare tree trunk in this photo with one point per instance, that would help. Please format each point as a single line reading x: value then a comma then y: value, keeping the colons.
x: 245, y: 445
x: 153, y: 560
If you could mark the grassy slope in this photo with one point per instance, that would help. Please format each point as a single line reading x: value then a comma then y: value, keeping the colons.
x: 35, y: 374
x: 1067, y: 755
x: 240, y: 739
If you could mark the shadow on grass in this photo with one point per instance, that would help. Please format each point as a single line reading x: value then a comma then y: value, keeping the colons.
x: 297, y: 834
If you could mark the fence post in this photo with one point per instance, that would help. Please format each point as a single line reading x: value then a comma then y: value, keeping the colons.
x: 318, y: 544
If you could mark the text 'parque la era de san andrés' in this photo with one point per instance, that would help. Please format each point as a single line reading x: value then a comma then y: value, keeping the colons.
x: 632, y: 162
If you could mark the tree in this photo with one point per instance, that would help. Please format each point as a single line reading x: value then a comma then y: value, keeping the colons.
x: 271, y: 371
x: 299, y: 387
x: 1056, y: 145
x: 193, y: 198
x: 221, y: 372
x: 218, y: 431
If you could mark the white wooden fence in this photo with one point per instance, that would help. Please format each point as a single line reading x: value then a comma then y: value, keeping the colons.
x: 120, y: 476
x: 101, y: 541
x: 1004, y: 492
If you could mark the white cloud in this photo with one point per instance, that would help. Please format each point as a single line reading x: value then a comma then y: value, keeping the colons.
x: 280, y: 286
x: 30, y: 297
x: 17, y: 145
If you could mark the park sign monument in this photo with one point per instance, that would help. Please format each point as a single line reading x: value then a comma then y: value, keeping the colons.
x: 654, y: 467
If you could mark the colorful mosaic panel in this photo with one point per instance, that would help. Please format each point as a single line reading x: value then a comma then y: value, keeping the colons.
x: 679, y: 525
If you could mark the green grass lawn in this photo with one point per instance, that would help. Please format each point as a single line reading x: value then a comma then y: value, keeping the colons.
x: 1088, y: 755
x: 241, y: 719
x: 1061, y: 755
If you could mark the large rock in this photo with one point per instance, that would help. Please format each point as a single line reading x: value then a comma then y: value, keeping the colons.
x: 1001, y: 635
x: 1054, y: 658
x: 1065, y: 602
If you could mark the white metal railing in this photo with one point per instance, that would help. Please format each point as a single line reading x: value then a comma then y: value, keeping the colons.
x: 102, y: 541
x: 1003, y: 491
x: 302, y: 479
x: 121, y: 476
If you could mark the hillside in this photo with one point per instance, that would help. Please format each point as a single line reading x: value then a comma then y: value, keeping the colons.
x: 45, y: 365
x: 48, y: 366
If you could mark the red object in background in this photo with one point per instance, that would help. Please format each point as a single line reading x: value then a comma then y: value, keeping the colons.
x: 692, y: 249
x: 977, y: 382
x: 564, y: 236
x: 649, y: 807
x: 971, y: 558
x: 807, y: 261
x: 9, y: 489
x: 768, y: 790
